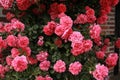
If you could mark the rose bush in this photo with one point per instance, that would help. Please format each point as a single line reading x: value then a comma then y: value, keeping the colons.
x: 55, y: 40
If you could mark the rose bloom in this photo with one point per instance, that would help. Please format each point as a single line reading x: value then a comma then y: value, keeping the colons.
x: 66, y: 21
x: 9, y: 16
x: 61, y: 15
x: 67, y: 33
x: 53, y: 11
x: 15, y: 52
x: 11, y: 40
x: 111, y: 60
x: 59, y: 30
x: 102, y: 19
x: 19, y: 63
x: 75, y: 68
x: 31, y: 60
x: 40, y: 78
x: 104, y: 48
x: 59, y: 66
x: 48, y: 78
x: 62, y: 8
x: 23, y: 41
x: 81, y: 19
x: 44, y: 65
x: 90, y: 15
x: 18, y: 25
x: 114, y: 2
x: 98, y: 41
x: 49, y: 28
x: 107, y: 9
x: 9, y: 60
x: 2, y: 71
x: 89, y: 11
x: 95, y: 31
x: 23, y: 4
x: 1, y: 27
x: 117, y: 43
x: 87, y: 45
x: 77, y: 48
x: 42, y: 56
x: 6, y: 3
x: 3, y: 43
x: 100, y: 72
x: 40, y: 41
x: 100, y: 55
x: 106, y: 41
x: 8, y: 27
x: 76, y: 37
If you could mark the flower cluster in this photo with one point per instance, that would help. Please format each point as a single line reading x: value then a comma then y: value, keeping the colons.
x: 100, y: 72
x: 55, y: 40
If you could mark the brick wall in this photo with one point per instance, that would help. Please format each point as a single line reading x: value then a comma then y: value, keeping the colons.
x: 109, y: 27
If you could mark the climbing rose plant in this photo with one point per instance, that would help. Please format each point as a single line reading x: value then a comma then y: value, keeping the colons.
x: 55, y: 40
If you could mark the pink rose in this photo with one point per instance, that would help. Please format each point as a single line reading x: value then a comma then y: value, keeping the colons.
x: 111, y: 60
x: 76, y: 37
x: 18, y: 25
x: 53, y: 11
x: 59, y: 66
x: 89, y: 11
x: 23, y: 4
x: 95, y: 31
x: 66, y: 21
x: 100, y: 72
x: 32, y: 60
x: 104, y: 48
x: 9, y: 60
x: 67, y: 33
x: 87, y: 45
x: 2, y: 71
x: 9, y: 16
x: 62, y: 8
x: 81, y: 19
x: 106, y: 41
x: 23, y: 41
x: 8, y: 27
x: 15, y: 52
x: 102, y: 19
x: 44, y: 65
x: 100, y: 55
x: 3, y: 44
x: 19, y: 63
x: 75, y: 68
x: 11, y: 40
x: 59, y: 30
x: 90, y: 15
x: 40, y: 41
x: 6, y: 3
x: 49, y: 28
x: 40, y: 78
x: 2, y: 27
x: 42, y: 56
x: 48, y: 78
x: 114, y: 2
x: 77, y: 48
